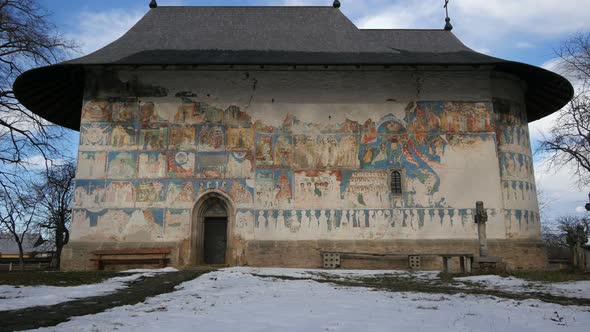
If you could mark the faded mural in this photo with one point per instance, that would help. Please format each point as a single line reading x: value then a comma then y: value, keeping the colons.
x: 142, y: 167
x: 516, y: 168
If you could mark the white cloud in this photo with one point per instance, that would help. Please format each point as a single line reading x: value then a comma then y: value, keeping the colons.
x: 563, y: 195
x: 483, y: 50
x: 552, y: 65
x: 410, y: 14
x: 481, y: 24
x: 544, y: 17
x: 96, y: 30
x: 541, y: 127
x: 39, y: 162
x: 524, y: 45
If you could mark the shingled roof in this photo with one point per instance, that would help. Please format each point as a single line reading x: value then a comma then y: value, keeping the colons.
x: 268, y: 36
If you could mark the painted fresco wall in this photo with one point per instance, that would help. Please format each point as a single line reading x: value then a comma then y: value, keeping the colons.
x: 519, y: 191
x: 315, y: 169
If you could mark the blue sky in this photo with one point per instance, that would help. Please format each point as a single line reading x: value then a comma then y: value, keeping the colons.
x: 522, y: 30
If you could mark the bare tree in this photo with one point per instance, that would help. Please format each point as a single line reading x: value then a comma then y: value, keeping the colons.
x: 568, y: 142
x: 27, y: 39
x: 55, y: 195
x: 552, y: 236
x: 568, y: 233
x: 574, y: 229
x: 574, y: 233
x: 18, y: 216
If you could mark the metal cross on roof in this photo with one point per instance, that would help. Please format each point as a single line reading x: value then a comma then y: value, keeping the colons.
x: 448, y: 26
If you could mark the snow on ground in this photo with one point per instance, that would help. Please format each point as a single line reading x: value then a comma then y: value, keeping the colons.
x: 163, y: 270
x: 321, y: 273
x: 235, y: 299
x: 577, y: 289
x: 18, y: 297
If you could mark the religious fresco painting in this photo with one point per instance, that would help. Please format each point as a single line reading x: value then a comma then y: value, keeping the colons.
x: 175, y: 225
x: 295, y: 179
x: 211, y: 138
x: 148, y: 113
x: 151, y: 165
x: 122, y: 165
x: 123, y: 137
x: 92, y: 165
x: 89, y: 193
x: 150, y: 193
x: 153, y: 137
x: 181, y: 193
x: 240, y: 165
x: 516, y: 162
x: 94, y: 137
x: 211, y: 165
x: 181, y: 164
x: 264, y: 156
x: 96, y: 111
x: 120, y: 194
x: 183, y: 138
x: 317, y: 189
x: 123, y: 110
x: 240, y: 138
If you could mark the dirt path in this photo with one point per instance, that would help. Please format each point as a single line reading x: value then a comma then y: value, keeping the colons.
x: 136, y: 292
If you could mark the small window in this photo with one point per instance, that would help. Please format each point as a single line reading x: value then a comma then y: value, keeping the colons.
x: 396, y: 183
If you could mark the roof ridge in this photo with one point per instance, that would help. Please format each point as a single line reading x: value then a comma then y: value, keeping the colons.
x: 404, y: 29
x: 330, y: 7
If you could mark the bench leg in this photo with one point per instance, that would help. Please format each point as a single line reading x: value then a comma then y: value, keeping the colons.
x: 98, y: 265
x: 462, y: 263
x: 446, y: 264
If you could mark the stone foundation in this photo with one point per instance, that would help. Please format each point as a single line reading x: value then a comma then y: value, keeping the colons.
x: 517, y: 254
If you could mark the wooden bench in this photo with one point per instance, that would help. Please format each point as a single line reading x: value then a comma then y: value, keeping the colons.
x: 465, y: 261
x: 332, y: 259
x: 159, y: 255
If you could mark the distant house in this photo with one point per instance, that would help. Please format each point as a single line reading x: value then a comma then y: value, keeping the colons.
x: 34, y: 246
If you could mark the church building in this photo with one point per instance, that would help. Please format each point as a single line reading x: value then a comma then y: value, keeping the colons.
x: 269, y: 136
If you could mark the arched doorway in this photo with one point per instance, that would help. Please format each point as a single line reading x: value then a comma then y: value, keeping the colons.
x: 215, y: 232
x: 212, y: 221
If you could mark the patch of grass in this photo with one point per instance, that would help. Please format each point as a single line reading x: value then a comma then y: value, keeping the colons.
x: 551, y: 276
x: 540, y: 275
x: 427, y: 307
x: 37, y: 278
x: 395, y: 283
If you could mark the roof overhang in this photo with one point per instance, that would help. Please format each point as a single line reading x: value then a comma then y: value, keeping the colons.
x: 56, y: 92
x: 299, y: 35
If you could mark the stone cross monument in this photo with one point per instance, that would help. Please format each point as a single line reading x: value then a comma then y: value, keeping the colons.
x: 481, y: 217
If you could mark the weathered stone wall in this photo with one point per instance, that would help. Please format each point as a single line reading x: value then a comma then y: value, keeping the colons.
x: 517, y: 254
x: 304, y: 155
